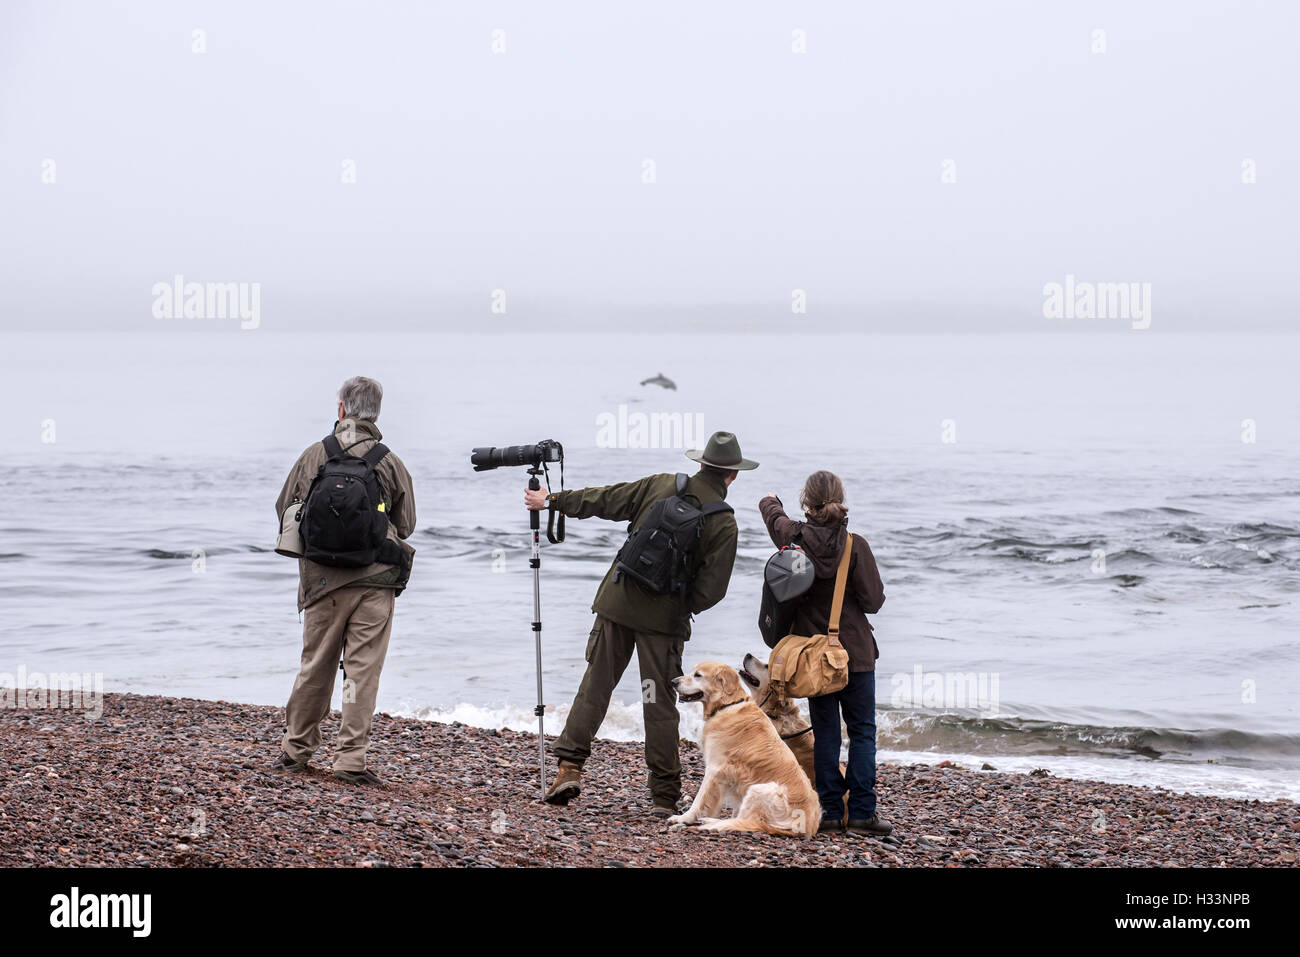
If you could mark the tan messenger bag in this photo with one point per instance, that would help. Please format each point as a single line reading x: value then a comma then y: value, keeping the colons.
x: 804, y: 667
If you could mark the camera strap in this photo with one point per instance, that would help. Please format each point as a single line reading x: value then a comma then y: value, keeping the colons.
x: 554, y: 533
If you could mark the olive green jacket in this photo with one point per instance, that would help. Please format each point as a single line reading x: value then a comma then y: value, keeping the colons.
x: 315, y: 581
x: 627, y: 602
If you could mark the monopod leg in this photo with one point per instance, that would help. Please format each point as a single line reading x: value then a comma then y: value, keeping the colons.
x: 536, y: 563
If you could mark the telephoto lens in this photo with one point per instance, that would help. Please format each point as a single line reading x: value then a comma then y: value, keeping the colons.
x: 487, y: 457
x: 491, y: 457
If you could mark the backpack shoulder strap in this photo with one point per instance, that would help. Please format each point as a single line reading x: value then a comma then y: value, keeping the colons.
x: 332, y: 448
x: 375, y: 454
x: 841, y: 578
x: 681, y: 484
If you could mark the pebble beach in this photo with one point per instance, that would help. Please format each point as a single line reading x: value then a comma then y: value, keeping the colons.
x: 177, y: 782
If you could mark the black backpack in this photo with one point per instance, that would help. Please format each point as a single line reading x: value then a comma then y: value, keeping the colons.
x: 343, y: 523
x: 787, y: 577
x: 657, y: 554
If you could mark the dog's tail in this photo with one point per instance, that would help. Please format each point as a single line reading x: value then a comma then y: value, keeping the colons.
x: 766, y: 808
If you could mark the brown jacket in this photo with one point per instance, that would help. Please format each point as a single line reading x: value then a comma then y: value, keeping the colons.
x: 625, y: 601
x: 315, y: 581
x: 863, y: 594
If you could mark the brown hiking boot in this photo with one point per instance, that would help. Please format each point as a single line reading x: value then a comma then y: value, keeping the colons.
x: 662, y: 808
x: 830, y: 825
x: 366, y: 777
x: 566, y: 785
x: 286, y: 763
x: 874, y: 825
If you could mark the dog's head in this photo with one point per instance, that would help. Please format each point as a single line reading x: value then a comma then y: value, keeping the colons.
x: 712, y: 683
x: 755, y: 673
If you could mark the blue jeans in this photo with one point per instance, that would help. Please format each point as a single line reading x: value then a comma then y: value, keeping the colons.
x: 857, y: 699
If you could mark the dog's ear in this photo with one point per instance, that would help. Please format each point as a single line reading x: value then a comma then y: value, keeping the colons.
x: 727, y: 680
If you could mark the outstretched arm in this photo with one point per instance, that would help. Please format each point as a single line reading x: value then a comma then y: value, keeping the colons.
x: 616, y: 503
x: 781, y: 528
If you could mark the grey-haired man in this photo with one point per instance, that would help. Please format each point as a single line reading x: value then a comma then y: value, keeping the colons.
x: 348, y: 611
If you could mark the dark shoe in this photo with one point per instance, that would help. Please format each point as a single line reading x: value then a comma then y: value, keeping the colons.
x: 875, y: 825
x: 830, y: 824
x: 567, y: 784
x: 663, y: 809
x: 359, y: 777
x: 286, y: 763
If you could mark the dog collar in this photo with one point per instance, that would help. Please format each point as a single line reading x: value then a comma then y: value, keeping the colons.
x: 787, y: 737
x: 728, y: 705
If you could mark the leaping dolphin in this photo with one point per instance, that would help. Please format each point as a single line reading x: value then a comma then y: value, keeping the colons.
x: 662, y: 380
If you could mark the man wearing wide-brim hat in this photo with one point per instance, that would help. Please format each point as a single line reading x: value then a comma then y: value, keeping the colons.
x: 631, y: 618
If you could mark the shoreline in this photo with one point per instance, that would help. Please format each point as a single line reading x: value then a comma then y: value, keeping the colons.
x: 1181, y: 776
x: 161, y: 781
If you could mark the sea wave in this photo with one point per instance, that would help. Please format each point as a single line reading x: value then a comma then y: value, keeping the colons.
x: 1220, y: 761
x: 1145, y: 539
x: 914, y: 730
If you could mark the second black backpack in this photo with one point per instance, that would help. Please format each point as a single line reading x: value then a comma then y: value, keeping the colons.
x: 787, y: 576
x: 656, y: 555
x: 343, y: 519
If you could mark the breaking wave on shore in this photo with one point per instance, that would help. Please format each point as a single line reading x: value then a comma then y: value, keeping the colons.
x: 1221, y: 762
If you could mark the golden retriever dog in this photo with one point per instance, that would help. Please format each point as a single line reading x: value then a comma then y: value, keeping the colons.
x: 746, y: 764
x: 786, y: 719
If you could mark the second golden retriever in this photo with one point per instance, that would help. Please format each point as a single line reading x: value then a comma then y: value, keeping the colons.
x: 793, y: 728
x: 746, y: 764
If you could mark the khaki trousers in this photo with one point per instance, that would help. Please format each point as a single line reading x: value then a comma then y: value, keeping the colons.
x: 355, y: 621
x: 609, y: 650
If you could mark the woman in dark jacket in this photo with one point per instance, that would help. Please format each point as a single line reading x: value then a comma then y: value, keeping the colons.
x: 823, y: 536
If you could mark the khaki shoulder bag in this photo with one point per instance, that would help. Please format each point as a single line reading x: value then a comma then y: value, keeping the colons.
x: 803, y: 667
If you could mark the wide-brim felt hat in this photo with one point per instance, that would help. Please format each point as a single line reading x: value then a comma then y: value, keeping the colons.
x: 722, y: 452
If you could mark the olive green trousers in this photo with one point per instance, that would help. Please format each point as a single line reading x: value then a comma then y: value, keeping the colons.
x: 609, y: 650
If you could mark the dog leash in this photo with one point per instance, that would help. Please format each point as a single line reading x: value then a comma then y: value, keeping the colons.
x: 784, y: 737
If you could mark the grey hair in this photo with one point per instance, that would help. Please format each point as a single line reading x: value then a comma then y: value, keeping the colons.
x: 361, y: 398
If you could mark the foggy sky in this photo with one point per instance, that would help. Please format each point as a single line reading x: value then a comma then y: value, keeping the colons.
x: 775, y: 171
